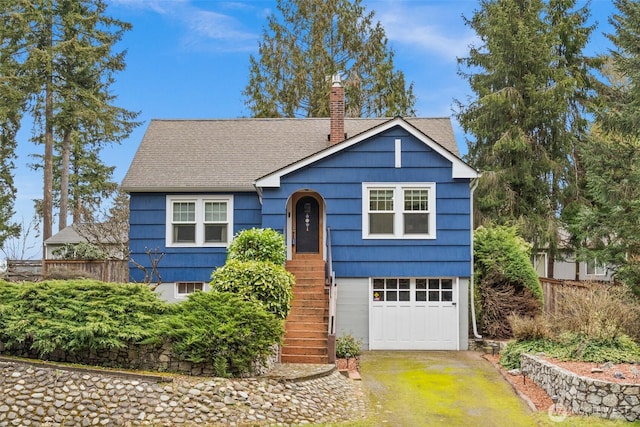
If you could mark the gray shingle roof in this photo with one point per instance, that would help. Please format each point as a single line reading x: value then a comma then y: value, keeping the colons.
x: 230, y: 154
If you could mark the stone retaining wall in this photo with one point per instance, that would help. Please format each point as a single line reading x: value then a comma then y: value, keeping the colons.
x: 38, y: 395
x: 582, y: 395
x: 142, y: 357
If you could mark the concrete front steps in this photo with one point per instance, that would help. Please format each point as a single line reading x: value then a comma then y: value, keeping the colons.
x: 305, y: 339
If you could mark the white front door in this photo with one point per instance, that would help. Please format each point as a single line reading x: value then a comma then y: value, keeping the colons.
x: 413, y: 314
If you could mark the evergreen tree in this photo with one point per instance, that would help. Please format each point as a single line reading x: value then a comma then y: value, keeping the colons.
x: 531, y: 83
x: 11, y: 102
x: 620, y: 107
x: 313, y: 40
x: 66, y: 65
x: 607, y: 224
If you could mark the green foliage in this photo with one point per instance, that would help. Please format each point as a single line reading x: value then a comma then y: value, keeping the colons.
x: 76, y: 315
x: 347, y: 346
x: 510, y: 355
x: 619, y: 111
x: 265, y: 282
x: 531, y: 83
x: 607, y: 225
x: 500, y: 255
x: 312, y: 40
x: 223, y: 329
x: 571, y: 346
x: 80, y: 251
x: 258, y: 244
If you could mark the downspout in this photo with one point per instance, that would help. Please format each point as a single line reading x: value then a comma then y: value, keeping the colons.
x: 474, y: 184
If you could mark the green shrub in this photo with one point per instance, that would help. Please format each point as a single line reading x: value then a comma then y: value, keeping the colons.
x: 77, y: 315
x: 506, y: 282
x: 571, y: 346
x: 265, y: 282
x: 501, y: 255
x: 258, y: 244
x: 223, y: 329
x: 510, y: 355
x: 347, y: 346
x: 80, y: 251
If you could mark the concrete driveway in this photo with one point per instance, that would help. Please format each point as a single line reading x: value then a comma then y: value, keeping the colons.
x: 439, y: 388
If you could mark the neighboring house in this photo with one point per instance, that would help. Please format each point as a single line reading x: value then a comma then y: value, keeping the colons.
x: 66, y: 236
x: 384, y: 204
x: 566, y: 268
x: 74, y: 234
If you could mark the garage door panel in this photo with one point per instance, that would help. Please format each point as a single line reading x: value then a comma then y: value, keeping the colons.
x: 416, y: 324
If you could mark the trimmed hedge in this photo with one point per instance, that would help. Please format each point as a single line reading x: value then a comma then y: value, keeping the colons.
x: 223, y: 329
x: 264, y: 282
x: 76, y: 315
x: 258, y: 244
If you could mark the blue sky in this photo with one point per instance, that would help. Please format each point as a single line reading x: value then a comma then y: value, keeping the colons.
x: 189, y: 59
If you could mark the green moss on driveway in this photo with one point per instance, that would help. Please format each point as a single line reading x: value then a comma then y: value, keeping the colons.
x: 438, y: 388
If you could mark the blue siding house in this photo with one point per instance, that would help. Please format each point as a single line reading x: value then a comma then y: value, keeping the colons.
x: 377, y: 215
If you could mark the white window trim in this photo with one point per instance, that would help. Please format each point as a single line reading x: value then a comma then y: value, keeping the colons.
x: 599, y: 269
x: 199, y: 201
x: 398, y: 207
x: 178, y: 295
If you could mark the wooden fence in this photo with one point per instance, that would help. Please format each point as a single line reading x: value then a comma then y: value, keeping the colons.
x: 116, y: 271
x: 550, y: 288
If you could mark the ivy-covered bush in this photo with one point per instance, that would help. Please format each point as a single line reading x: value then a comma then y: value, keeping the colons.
x: 77, y: 315
x: 506, y: 282
x: 258, y: 244
x: 264, y: 282
x: 80, y: 251
x: 224, y: 329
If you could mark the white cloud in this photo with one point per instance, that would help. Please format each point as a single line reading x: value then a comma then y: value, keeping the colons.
x: 203, y: 28
x: 427, y: 26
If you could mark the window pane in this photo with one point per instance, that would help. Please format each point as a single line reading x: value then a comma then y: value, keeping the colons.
x: 184, y: 233
x: 416, y: 200
x: 214, y: 233
x: 405, y: 283
x: 447, y: 284
x: 434, y: 284
x: 434, y: 296
x: 392, y: 283
x: 215, y: 211
x: 381, y: 200
x: 378, y: 295
x: 421, y: 283
x: 381, y: 223
x: 378, y: 283
x: 447, y: 296
x: 405, y: 296
x: 392, y: 295
x: 421, y: 295
x: 184, y: 211
x: 416, y: 223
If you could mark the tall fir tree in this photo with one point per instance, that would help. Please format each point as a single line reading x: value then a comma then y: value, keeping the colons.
x: 66, y: 63
x: 607, y: 224
x: 619, y: 110
x: 531, y: 83
x: 313, y: 40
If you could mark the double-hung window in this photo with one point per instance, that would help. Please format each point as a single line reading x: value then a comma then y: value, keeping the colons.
x: 398, y: 211
x: 199, y: 220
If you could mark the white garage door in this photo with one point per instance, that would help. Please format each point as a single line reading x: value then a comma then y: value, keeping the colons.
x: 413, y: 314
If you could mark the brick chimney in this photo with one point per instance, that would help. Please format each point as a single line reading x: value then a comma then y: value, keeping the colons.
x: 336, y: 110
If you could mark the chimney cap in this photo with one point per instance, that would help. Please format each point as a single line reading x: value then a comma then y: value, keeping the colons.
x: 336, y: 80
